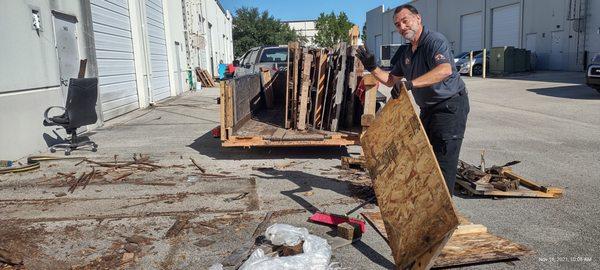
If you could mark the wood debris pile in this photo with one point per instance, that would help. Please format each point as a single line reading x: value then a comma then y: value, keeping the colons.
x: 501, y: 181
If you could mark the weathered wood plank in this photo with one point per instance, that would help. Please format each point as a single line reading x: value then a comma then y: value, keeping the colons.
x: 291, y: 84
x: 352, y: 84
x: 369, y: 109
x: 339, y: 87
x: 307, y: 60
x: 414, y: 200
x: 294, y: 101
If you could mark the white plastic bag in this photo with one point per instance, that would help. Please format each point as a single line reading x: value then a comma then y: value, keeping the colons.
x: 316, y: 255
x: 216, y: 266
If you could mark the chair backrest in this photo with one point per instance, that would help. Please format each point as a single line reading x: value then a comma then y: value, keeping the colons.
x: 81, y: 102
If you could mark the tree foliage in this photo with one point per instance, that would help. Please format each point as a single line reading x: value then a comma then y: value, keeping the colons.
x: 363, y: 36
x: 252, y: 28
x: 332, y: 29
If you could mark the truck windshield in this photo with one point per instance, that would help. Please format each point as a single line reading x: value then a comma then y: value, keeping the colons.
x: 274, y: 55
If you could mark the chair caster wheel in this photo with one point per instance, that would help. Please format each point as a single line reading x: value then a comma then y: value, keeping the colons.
x: 95, y: 145
x: 52, y: 150
x: 94, y: 149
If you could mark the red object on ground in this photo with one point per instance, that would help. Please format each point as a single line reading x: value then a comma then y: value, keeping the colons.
x: 333, y: 219
x: 216, y: 132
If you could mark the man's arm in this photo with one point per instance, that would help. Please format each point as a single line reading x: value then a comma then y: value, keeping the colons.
x: 436, y: 75
x: 385, y: 77
x: 368, y: 61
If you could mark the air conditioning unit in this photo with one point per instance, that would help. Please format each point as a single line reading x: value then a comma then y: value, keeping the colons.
x: 387, y: 53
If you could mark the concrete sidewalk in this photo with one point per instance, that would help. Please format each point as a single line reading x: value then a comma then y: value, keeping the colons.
x: 550, y: 125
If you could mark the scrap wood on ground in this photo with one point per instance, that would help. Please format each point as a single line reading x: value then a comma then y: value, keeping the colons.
x: 470, y: 244
x: 501, y: 181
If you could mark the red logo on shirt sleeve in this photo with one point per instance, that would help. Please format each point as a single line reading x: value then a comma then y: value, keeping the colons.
x: 439, y: 57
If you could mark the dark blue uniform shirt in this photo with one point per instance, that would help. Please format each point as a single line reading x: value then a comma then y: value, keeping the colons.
x: 433, y: 50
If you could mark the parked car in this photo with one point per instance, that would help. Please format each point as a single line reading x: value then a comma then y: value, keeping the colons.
x: 593, y: 73
x: 272, y: 57
x: 463, y: 65
x: 460, y: 56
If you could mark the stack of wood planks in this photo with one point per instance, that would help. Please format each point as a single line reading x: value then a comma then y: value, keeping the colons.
x: 320, y: 88
x: 204, y: 77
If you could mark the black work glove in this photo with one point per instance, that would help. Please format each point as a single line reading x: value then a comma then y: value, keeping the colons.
x: 398, y: 85
x: 366, y: 58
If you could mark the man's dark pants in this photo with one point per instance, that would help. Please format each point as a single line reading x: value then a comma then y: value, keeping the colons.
x: 445, y: 125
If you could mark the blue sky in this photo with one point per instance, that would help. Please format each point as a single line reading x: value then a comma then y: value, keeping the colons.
x: 310, y: 9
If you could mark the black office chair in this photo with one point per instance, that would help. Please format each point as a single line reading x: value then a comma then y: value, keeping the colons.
x: 79, y: 110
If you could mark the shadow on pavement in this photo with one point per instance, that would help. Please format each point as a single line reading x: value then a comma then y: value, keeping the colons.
x: 306, y: 182
x: 373, y: 255
x: 209, y: 146
x: 571, y: 92
x: 546, y: 76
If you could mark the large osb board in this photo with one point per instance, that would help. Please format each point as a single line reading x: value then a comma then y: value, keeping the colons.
x: 468, y: 248
x: 417, y: 210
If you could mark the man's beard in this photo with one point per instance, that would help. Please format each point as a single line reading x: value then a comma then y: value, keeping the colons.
x: 410, y: 35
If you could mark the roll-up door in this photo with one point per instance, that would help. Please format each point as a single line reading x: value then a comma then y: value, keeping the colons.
x: 471, y: 30
x: 505, y: 26
x: 157, y: 48
x: 114, y: 54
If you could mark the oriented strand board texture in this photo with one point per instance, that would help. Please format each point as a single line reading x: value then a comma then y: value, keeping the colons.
x: 466, y: 249
x: 412, y: 195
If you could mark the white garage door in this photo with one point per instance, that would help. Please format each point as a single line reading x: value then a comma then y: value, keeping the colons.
x: 471, y: 31
x: 114, y: 53
x: 505, y: 26
x: 157, y: 47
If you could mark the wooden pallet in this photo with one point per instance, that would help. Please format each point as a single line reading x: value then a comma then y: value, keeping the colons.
x: 409, y: 185
x: 292, y: 84
x: 470, y: 244
x: 204, y: 77
x: 352, y: 77
x: 321, y: 73
x: 307, y: 59
x: 340, y: 87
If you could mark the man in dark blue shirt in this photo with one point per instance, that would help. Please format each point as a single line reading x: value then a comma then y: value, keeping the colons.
x: 425, y: 67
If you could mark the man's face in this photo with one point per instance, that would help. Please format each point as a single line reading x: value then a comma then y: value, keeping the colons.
x: 407, y: 24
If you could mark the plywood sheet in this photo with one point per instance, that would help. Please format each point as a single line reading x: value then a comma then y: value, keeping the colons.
x: 417, y: 210
x: 246, y: 94
x: 466, y: 248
